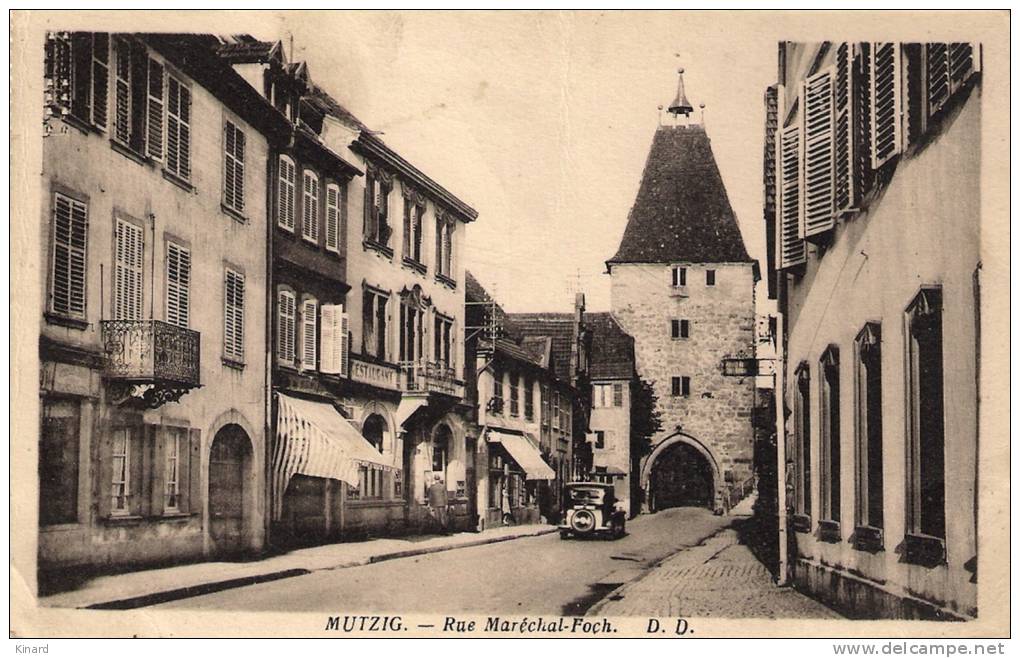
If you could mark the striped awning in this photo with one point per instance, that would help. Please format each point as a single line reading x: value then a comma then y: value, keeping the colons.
x: 313, y: 439
x: 525, y: 453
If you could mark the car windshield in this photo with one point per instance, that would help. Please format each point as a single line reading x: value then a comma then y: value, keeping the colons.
x: 586, y: 494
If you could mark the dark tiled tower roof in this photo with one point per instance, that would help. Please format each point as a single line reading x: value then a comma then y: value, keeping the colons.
x: 681, y: 212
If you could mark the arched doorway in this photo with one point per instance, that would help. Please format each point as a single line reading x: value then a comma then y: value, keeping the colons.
x: 681, y: 475
x: 229, y: 464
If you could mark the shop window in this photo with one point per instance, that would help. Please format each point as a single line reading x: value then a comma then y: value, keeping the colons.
x: 58, y: 461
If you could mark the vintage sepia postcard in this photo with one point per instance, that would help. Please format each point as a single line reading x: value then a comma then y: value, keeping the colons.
x: 520, y: 324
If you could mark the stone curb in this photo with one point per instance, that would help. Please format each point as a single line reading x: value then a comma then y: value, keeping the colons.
x: 191, y: 591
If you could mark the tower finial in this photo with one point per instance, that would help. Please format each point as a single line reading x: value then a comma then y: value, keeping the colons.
x: 680, y: 104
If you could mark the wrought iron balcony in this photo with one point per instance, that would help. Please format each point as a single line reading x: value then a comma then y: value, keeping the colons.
x: 150, y: 362
x: 430, y: 377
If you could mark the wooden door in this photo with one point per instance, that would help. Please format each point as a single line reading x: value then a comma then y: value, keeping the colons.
x: 227, y: 490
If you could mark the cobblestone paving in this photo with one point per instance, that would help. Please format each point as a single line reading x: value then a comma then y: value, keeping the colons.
x: 720, y: 578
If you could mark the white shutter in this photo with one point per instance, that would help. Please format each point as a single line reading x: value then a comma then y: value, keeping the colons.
x: 285, y: 329
x: 333, y: 218
x: 818, y: 179
x: 70, y: 231
x: 334, y: 340
x: 886, y: 131
x: 154, y: 112
x: 178, y: 128
x: 178, y: 280
x: 310, y: 208
x: 790, y: 247
x: 122, y: 92
x: 285, y: 211
x: 309, y: 333
x: 233, y: 166
x: 128, y: 279
x: 233, y: 316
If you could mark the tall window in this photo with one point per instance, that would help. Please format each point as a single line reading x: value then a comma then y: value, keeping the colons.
x: 286, y: 329
x: 69, y: 241
x: 869, y: 427
x: 78, y: 66
x: 444, y: 245
x: 444, y: 340
x: 557, y: 415
x: 515, y: 394
x: 373, y: 323
x: 679, y: 276
x: 174, y: 441
x: 413, y: 214
x: 680, y: 328
x: 377, y: 193
x: 709, y: 277
x: 178, y: 280
x: 412, y: 320
x: 529, y: 399
x: 802, y: 440
x: 333, y: 217
x: 58, y: 461
x: 371, y: 480
x: 545, y: 403
x: 127, y: 271
x: 309, y: 333
x: 310, y: 207
x: 926, y: 485
x: 285, y: 193
x: 618, y: 394
x: 441, y: 450
x: 233, y: 166
x: 829, y: 416
x: 233, y: 316
x: 122, y: 116
x: 120, y: 483
x: 681, y: 386
x: 178, y: 128
x: 154, y: 106
x: 497, y: 388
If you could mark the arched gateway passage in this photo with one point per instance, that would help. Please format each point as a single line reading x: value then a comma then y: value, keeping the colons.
x: 680, y: 472
x: 229, y: 466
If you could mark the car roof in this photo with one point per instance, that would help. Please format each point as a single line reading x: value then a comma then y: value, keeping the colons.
x: 601, y: 485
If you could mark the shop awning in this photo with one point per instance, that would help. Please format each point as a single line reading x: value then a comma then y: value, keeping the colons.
x: 313, y: 439
x: 524, y: 452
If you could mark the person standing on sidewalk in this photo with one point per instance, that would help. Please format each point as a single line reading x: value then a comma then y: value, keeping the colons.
x: 438, y: 503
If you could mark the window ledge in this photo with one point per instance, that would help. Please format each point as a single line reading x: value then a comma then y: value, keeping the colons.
x: 309, y: 241
x: 372, y: 245
x: 446, y: 281
x: 174, y: 516
x: 414, y: 265
x: 285, y: 229
x: 123, y: 519
x: 233, y: 213
x: 130, y: 153
x: 801, y: 523
x: 178, y: 181
x: 868, y: 539
x: 924, y: 550
x: 373, y: 502
x: 80, y: 124
x: 232, y: 363
x: 65, y: 321
x: 829, y: 531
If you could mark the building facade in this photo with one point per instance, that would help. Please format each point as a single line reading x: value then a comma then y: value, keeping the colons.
x: 876, y: 184
x: 153, y: 378
x: 683, y: 287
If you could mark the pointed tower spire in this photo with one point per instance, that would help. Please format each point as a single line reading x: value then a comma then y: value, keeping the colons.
x: 680, y: 104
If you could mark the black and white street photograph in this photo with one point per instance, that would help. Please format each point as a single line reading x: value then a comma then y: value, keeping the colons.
x: 510, y: 324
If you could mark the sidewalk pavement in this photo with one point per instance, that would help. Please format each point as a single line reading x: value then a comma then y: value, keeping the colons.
x: 141, y: 588
x: 719, y: 578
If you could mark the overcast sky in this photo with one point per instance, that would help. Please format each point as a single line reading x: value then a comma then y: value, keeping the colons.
x: 542, y: 122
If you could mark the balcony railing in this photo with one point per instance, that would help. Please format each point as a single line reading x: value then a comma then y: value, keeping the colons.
x: 430, y: 377
x: 151, y: 352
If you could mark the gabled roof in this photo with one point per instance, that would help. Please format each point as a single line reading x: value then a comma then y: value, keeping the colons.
x: 612, y: 348
x: 246, y: 49
x: 682, y: 212
x: 558, y: 328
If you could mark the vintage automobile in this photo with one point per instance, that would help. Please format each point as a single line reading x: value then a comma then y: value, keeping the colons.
x: 591, y: 509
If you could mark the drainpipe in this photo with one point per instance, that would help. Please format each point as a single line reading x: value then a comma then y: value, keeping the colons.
x: 779, y: 396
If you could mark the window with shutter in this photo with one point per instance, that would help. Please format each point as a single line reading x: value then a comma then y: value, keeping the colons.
x: 178, y: 280
x: 286, y: 312
x: 120, y: 481
x: 154, y: 111
x: 122, y: 127
x: 233, y: 316
x: 310, y: 208
x: 81, y: 69
x: 175, y: 449
x: 333, y: 217
x: 233, y: 166
x: 59, y: 66
x: 818, y: 179
x: 886, y: 130
x: 334, y: 343
x: 309, y: 333
x: 178, y: 128
x: 791, y: 250
x: 128, y: 272
x: 843, y: 107
x: 861, y: 160
x: 949, y: 65
x: 100, y: 78
x: 69, y: 239
x: 285, y: 194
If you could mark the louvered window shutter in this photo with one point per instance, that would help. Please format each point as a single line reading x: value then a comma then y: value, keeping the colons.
x: 333, y: 218
x: 59, y: 66
x: 408, y: 209
x: 70, y: 231
x: 128, y: 279
x: 818, y: 178
x: 285, y: 330
x: 345, y: 343
x: 178, y: 128
x: 122, y: 92
x: 862, y: 119
x: 309, y: 333
x: 178, y: 280
x: 233, y: 166
x: 310, y: 208
x: 448, y: 249
x: 334, y: 340
x: 843, y: 107
x: 154, y: 111
x: 790, y: 246
x: 100, y: 78
x: 233, y: 316
x: 886, y: 138
x: 948, y: 67
x: 81, y: 76
x: 285, y: 212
